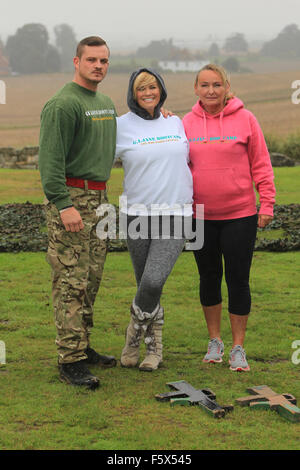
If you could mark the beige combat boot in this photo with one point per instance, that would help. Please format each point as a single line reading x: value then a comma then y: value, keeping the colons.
x: 136, y: 329
x: 153, y: 341
x: 131, y: 351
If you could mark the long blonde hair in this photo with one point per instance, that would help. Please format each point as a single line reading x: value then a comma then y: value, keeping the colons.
x: 224, y: 77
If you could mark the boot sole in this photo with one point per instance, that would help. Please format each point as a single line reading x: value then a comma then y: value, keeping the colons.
x: 90, y: 386
x: 149, y: 369
x: 104, y: 365
x: 128, y: 367
x: 212, y: 361
x: 240, y: 369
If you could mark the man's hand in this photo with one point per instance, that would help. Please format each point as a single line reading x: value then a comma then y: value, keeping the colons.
x: 72, y: 220
x: 264, y: 220
x: 165, y: 112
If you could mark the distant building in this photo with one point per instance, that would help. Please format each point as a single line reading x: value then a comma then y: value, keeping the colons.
x: 182, y: 65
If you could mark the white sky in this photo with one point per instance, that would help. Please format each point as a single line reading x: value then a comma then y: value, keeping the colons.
x: 129, y: 24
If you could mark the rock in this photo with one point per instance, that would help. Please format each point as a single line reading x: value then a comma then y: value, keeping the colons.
x: 30, y: 151
x: 278, y: 159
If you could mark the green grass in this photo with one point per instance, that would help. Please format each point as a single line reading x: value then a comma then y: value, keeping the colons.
x: 271, y: 234
x: 37, y: 411
x: 20, y: 186
x: 287, y: 185
x: 25, y: 185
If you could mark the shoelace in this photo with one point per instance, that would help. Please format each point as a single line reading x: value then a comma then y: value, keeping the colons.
x: 238, y: 350
x: 214, y: 345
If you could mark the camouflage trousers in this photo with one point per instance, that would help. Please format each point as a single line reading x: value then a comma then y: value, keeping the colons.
x: 77, y: 261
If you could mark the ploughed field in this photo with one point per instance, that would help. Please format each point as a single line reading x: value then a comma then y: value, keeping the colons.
x: 267, y: 95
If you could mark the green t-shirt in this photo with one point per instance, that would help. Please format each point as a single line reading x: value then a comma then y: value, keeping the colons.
x: 77, y: 139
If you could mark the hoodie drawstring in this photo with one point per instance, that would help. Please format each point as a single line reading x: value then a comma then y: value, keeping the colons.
x: 205, y: 129
x: 221, y: 126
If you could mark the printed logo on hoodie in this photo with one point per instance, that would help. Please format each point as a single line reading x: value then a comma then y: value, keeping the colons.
x: 157, y: 140
x: 202, y: 140
x: 101, y: 114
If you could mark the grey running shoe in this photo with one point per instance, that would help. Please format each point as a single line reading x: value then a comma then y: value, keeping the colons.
x: 215, y: 351
x: 237, y: 359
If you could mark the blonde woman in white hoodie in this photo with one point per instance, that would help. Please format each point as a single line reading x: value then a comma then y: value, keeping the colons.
x: 156, y: 201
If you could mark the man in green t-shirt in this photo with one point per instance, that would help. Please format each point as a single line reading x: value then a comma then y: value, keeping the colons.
x: 77, y: 148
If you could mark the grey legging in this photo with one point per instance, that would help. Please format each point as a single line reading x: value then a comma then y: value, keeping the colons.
x: 153, y: 260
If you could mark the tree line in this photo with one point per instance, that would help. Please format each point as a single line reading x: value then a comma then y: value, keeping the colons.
x: 285, y: 45
x: 29, y: 50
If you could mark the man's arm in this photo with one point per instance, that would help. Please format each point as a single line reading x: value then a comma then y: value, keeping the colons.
x: 56, y: 137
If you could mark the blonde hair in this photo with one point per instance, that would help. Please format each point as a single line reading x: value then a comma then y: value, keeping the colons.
x: 224, y: 77
x: 144, y: 79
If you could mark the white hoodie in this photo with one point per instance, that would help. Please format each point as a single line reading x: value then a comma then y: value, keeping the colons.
x: 155, y: 156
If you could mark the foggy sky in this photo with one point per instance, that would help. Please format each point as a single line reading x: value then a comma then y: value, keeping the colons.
x: 133, y: 23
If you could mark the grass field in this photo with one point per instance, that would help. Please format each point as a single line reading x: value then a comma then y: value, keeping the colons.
x: 38, y: 412
x: 267, y: 95
x: 25, y: 185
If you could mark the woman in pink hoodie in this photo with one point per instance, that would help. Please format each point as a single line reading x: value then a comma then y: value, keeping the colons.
x: 228, y: 154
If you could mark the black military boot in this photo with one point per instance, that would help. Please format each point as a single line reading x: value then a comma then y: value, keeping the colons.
x: 93, y: 358
x: 77, y: 373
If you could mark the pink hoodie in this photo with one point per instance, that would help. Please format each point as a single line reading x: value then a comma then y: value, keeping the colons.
x: 227, y: 153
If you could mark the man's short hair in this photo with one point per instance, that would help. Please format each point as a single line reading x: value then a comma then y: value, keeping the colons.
x: 90, y: 41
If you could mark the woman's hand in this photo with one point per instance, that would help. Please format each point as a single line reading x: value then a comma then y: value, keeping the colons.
x: 264, y: 220
x: 166, y: 112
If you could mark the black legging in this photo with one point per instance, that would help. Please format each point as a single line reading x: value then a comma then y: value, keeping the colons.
x: 234, y: 239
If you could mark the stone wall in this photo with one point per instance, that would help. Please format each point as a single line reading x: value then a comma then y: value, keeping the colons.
x: 25, y: 158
